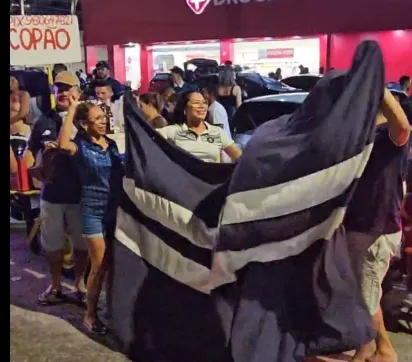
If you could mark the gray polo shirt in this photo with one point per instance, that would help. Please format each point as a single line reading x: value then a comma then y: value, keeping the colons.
x: 208, y: 146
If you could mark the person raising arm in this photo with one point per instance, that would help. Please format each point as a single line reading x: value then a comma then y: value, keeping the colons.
x: 101, y: 172
x: 399, y: 127
x: 194, y: 134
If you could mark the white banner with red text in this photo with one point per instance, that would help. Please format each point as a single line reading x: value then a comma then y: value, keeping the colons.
x: 44, y: 39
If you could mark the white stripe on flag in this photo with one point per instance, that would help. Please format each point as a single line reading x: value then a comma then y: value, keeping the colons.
x: 171, y: 215
x: 138, y: 239
x: 226, y: 263
x: 295, y: 195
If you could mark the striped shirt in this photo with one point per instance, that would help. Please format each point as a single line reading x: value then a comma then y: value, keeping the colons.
x: 101, y: 174
x: 208, y: 146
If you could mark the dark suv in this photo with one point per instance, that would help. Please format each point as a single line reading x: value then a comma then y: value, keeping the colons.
x: 160, y: 82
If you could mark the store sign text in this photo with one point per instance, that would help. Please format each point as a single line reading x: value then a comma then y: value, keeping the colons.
x: 280, y: 53
x: 199, y: 6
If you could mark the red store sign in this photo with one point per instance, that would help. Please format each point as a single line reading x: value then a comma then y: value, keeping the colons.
x: 280, y: 53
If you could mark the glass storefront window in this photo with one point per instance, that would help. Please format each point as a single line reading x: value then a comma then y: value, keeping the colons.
x: 266, y: 56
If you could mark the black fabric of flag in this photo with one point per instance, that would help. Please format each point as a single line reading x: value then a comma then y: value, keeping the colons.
x: 247, y: 263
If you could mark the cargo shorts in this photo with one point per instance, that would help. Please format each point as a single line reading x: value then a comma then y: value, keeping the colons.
x: 56, y: 221
x: 371, y: 256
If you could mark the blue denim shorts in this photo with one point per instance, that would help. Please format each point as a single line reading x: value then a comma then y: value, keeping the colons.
x: 92, y: 225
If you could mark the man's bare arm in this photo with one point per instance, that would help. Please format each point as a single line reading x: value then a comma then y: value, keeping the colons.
x: 399, y: 128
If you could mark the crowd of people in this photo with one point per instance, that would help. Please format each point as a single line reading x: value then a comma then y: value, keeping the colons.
x: 84, y: 176
x: 81, y: 186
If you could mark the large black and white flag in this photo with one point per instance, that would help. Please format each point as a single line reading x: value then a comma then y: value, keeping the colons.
x: 247, y: 263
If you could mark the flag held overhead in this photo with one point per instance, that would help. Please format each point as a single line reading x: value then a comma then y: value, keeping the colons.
x: 247, y: 262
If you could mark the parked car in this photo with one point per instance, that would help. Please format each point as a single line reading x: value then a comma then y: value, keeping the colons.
x: 205, y: 80
x: 256, y: 85
x: 252, y: 84
x: 160, y: 82
x: 256, y: 111
x: 200, y: 67
x: 304, y: 82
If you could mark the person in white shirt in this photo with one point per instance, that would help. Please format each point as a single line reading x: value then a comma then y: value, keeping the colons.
x: 217, y: 113
x: 104, y: 93
x: 104, y: 99
x: 193, y: 134
x: 104, y: 96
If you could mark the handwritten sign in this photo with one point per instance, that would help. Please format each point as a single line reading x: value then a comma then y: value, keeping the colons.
x: 44, y: 39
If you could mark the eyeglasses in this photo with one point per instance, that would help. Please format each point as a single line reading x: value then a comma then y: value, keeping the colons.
x: 198, y: 104
x: 100, y: 118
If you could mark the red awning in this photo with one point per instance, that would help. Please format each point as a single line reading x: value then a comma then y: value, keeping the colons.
x: 112, y: 22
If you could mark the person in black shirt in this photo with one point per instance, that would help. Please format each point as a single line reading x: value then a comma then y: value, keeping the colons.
x: 180, y: 86
x: 60, y: 196
x: 58, y: 68
x: 103, y: 74
x: 373, y: 219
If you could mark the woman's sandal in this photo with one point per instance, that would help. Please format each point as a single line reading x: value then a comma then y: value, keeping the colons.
x: 97, y: 327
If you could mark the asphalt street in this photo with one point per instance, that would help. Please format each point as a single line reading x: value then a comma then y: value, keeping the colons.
x: 43, y: 334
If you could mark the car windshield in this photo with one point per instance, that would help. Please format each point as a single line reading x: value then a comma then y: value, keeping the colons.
x: 251, y: 115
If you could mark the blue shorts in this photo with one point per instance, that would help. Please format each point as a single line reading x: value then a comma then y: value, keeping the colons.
x: 92, y: 225
x: 95, y: 225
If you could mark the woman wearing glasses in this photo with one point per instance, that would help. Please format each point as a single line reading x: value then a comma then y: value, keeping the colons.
x: 191, y: 132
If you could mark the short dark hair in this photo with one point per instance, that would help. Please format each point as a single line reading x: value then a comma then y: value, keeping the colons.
x: 178, y: 70
x: 403, y: 80
x: 81, y: 115
x: 211, y: 89
x: 103, y: 83
x: 228, y: 62
x: 59, y: 67
x: 102, y: 64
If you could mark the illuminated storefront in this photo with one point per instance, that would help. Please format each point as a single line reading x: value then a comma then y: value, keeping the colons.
x: 263, y: 35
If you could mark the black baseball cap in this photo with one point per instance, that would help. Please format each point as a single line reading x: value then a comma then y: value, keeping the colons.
x: 102, y: 64
x: 177, y: 70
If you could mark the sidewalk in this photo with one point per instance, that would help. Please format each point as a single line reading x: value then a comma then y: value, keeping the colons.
x: 39, y: 337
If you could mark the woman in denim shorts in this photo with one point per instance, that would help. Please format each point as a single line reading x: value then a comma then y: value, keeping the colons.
x: 101, y: 173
